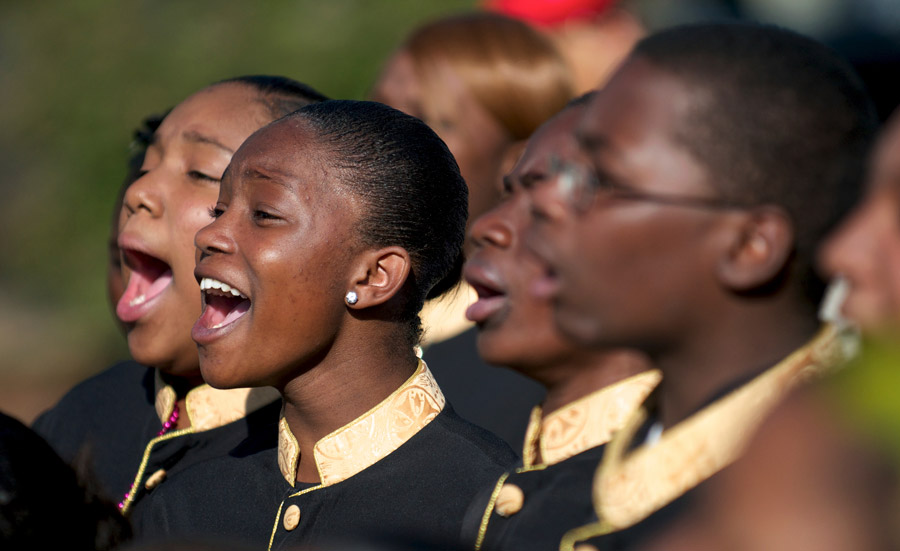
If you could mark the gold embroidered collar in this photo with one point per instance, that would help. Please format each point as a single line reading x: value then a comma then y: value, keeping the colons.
x: 370, y: 437
x: 629, y: 486
x: 585, y: 423
x: 208, y: 407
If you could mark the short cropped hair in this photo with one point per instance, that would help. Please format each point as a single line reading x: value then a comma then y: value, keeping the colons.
x: 780, y: 119
x: 410, y: 184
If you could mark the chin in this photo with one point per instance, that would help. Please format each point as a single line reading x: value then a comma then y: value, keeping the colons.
x: 584, y: 330
x: 222, y: 376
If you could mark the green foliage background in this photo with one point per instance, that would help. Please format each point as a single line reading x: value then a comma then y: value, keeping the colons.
x: 76, y: 78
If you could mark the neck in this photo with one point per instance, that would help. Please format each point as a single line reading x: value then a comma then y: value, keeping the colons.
x: 340, y: 388
x: 584, y: 376
x: 730, y: 350
x: 182, y: 384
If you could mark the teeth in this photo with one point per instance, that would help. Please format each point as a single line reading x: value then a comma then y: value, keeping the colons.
x: 138, y: 300
x: 208, y: 283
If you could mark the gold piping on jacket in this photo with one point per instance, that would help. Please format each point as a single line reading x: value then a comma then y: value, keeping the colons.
x: 585, y: 423
x: 486, y: 517
x: 630, y: 486
x: 371, y: 436
x: 207, y: 408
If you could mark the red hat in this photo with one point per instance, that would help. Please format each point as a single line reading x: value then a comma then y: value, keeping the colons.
x: 548, y: 13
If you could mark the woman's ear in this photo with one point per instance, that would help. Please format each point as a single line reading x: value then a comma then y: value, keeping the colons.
x: 763, y: 245
x: 379, y: 276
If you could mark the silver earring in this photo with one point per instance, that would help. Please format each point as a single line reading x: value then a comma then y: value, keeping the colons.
x: 351, y: 298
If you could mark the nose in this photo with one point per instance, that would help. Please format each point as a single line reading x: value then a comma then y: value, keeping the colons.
x: 214, y: 238
x: 492, y: 228
x: 849, y: 247
x: 144, y: 194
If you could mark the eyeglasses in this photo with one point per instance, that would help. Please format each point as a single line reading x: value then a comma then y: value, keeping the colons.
x: 579, y: 187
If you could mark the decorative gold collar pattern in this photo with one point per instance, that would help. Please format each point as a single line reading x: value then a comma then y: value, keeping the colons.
x: 370, y: 437
x: 208, y: 407
x: 585, y: 423
x: 629, y: 486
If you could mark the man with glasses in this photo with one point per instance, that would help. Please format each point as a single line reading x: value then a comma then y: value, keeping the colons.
x: 714, y: 162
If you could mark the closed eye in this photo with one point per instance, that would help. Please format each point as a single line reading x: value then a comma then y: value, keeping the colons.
x: 263, y: 215
x: 197, y: 175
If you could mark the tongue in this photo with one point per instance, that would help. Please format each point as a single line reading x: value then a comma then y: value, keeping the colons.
x: 142, y: 287
x: 221, y: 311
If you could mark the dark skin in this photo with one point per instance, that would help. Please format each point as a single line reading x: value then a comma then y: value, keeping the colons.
x: 515, y: 328
x: 865, y: 249
x: 284, y: 236
x: 162, y: 210
x: 680, y: 283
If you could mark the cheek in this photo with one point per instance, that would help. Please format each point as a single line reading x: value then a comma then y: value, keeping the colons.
x: 192, y: 216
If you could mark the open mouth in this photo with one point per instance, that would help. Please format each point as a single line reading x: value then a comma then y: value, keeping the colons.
x: 150, y: 276
x: 222, y: 304
x: 491, y: 299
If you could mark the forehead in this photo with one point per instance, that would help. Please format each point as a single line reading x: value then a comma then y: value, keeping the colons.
x: 641, y: 104
x: 635, y: 129
x: 555, y: 138
x: 285, y: 148
x: 227, y: 112
x: 398, y: 84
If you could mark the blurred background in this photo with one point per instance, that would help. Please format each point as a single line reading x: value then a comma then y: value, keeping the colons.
x: 78, y: 77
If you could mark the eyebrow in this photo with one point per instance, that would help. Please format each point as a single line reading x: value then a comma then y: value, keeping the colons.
x: 270, y: 175
x: 196, y: 137
x: 592, y: 142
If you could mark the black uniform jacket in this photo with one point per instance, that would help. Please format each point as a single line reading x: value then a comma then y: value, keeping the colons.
x: 533, y: 505
x: 112, y: 422
x: 404, y: 471
x: 649, y: 477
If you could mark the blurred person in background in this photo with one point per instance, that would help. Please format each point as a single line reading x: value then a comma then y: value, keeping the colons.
x: 590, y: 393
x: 822, y: 472
x: 138, y: 422
x: 484, y: 83
x: 865, y: 250
x: 689, y: 232
x: 115, y: 282
x: 594, y: 36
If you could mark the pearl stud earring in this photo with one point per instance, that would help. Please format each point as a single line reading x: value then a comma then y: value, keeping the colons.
x: 351, y: 298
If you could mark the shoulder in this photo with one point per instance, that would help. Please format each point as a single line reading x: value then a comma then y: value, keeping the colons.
x: 466, y: 442
x: 111, y: 392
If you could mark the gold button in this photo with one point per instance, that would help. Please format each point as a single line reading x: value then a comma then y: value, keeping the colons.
x: 585, y: 547
x: 154, y: 479
x: 509, y: 500
x: 291, y: 517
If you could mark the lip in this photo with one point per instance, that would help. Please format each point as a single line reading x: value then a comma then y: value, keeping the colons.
x: 492, y: 297
x: 215, y: 322
x: 151, y: 276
